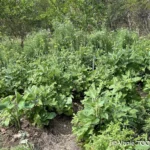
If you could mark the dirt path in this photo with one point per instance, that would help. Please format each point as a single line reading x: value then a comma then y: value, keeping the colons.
x: 57, y: 136
x: 58, y: 142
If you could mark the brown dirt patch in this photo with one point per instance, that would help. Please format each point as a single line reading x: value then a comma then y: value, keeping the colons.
x: 57, y: 136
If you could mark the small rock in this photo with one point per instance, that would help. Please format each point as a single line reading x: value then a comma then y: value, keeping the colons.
x: 25, y: 141
x: 17, y: 136
x: 36, y: 134
x: 3, y: 131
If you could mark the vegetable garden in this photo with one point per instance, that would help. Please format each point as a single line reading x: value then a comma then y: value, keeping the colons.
x: 105, y: 72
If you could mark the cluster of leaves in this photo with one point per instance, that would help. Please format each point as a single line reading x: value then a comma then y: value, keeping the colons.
x: 116, y: 106
x: 40, y: 80
x: 108, y: 71
x: 18, y: 18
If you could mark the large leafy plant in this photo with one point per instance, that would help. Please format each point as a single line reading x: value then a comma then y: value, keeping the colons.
x: 117, y: 96
x: 105, y: 72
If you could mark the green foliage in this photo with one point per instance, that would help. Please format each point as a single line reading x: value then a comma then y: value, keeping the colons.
x: 108, y: 72
x: 113, y: 133
x: 36, y: 44
x: 66, y: 36
x: 116, y: 138
x: 41, y: 74
x: 21, y: 17
x: 18, y: 18
x: 117, y: 95
x: 9, y: 49
x: 13, y: 78
x: 54, y: 52
x: 13, y: 110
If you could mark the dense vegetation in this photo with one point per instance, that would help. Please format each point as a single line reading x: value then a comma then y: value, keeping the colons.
x: 68, y: 59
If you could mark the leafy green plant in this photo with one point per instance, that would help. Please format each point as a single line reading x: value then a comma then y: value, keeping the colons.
x: 107, y: 72
x: 115, y: 137
x: 117, y: 95
x: 12, y: 110
x: 37, y: 44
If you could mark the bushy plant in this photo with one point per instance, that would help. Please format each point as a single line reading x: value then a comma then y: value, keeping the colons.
x: 37, y: 44
x: 117, y: 95
x: 108, y: 72
x: 66, y: 36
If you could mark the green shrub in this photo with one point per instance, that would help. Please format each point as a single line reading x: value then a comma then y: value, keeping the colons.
x: 108, y: 72
x: 37, y: 44
x: 119, y: 95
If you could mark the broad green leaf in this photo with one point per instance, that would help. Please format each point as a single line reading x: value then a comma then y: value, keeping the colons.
x: 7, y: 121
x: 51, y: 115
x: 18, y: 96
x: 21, y: 105
x: 69, y: 101
x: 11, y: 106
x: 2, y: 106
x: 29, y: 105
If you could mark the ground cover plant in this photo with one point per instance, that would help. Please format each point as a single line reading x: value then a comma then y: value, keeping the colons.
x: 106, y: 72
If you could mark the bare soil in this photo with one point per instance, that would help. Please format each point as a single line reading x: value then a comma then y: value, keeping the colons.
x: 56, y: 136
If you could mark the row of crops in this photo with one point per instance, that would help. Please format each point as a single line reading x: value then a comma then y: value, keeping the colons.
x: 108, y: 72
